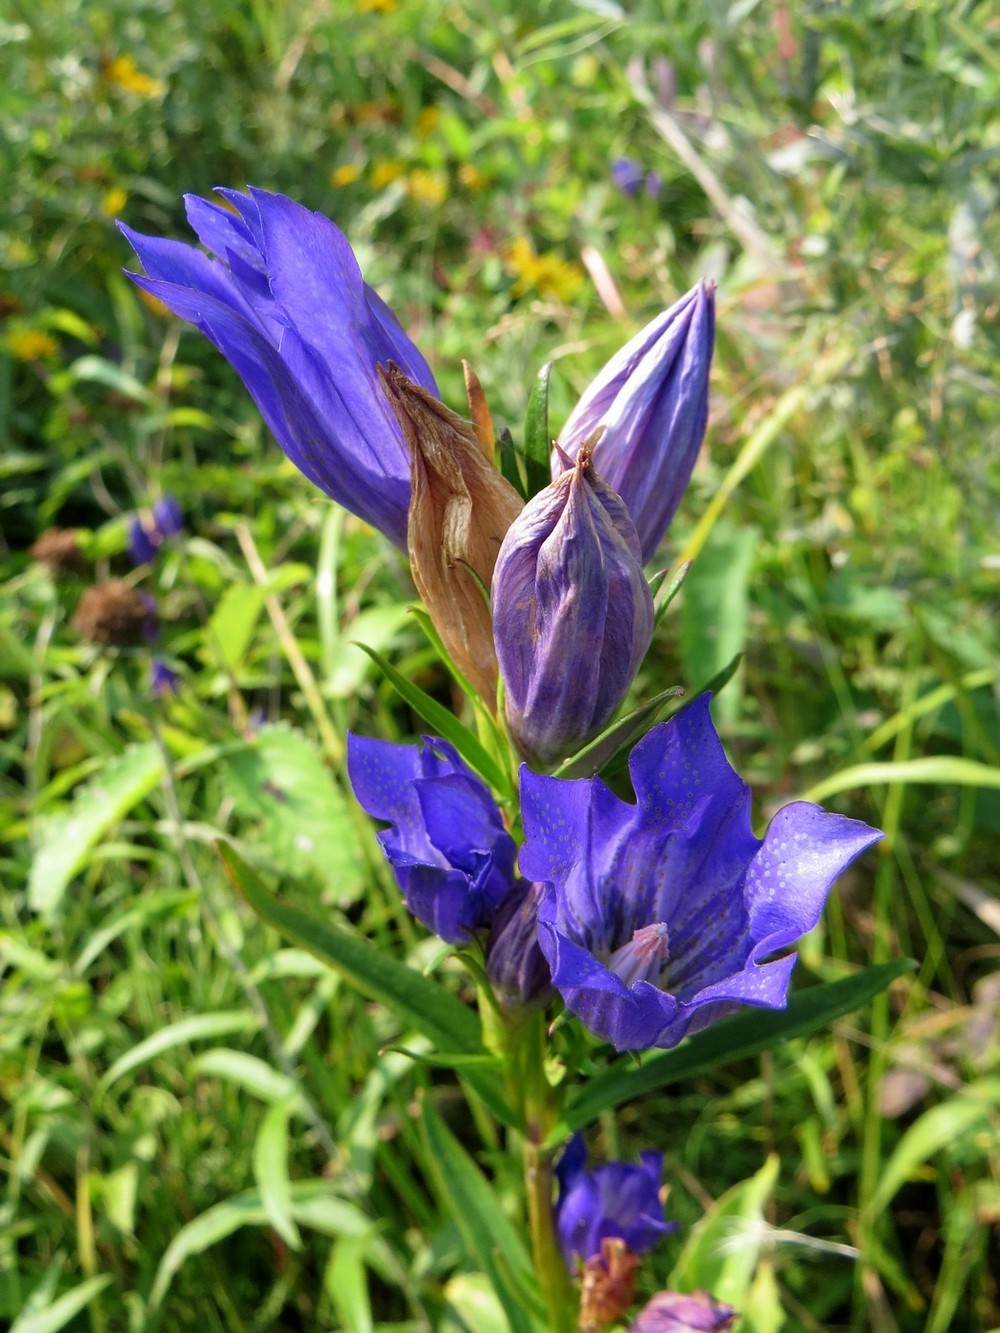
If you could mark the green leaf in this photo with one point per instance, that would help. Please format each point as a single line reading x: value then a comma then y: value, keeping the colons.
x: 303, y: 824
x: 270, y: 1170
x: 60, y: 1312
x: 467, y: 1196
x: 66, y: 839
x: 537, y: 441
x: 954, y: 1121
x: 714, y: 611
x: 445, y: 724
x: 230, y: 631
x: 613, y: 740
x: 665, y: 586
x: 746, y: 1034
x: 723, y: 1248
x: 421, y: 1003
x: 246, y: 1071
x: 945, y: 769
x: 185, y: 1030
x: 313, y: 1204
x: 510, y: 463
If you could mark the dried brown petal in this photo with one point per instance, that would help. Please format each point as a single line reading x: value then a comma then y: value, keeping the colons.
x: 59, y: 551
x: 115, y: 615
x: 460, y: 510
x: 608, y: 1285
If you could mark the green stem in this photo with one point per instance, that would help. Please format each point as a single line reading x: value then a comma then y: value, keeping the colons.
x: 537, y: 1099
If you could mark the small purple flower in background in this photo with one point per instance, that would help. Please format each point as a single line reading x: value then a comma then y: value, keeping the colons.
x: 168, y: 517
x: 145, y: 539
x: 616, y: 1201
x: 684, y: 1312
x: 142, y: 543
x: 651, y: 403
x: 453, y: 858
x: 283, y: 299
x: 627, y: 174
x: 660, y: 916
x: 163, y: 680
x: 572, y: 613
x: 631, y: 177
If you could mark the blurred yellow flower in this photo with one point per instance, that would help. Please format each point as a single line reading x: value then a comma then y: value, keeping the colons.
x: 470, y: 177
x: 547, y: 274
x: 377, y: 6
x: 153, y: 304
x: 346, y: 174
x: 114, y: 201
x: 124, y: 73
x: 385, y: 172
x: 29, y: 344
x: 428, y: 121
x: 427, y: 187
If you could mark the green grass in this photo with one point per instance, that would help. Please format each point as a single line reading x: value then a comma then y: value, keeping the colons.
x: 833, y: 168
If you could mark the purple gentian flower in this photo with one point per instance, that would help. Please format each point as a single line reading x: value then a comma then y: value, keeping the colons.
x: 162, y: 679
x: 684, y: 1312
x: 515, y: 964
x: 661, y: 916
x: 168, y: 517
x: 616, y: 1200
x: 453, y: 858
x: 572, y: 613
x: 143, y: 542
x: 651, y: 403
x: 283, y: 299
x: 628, y: 175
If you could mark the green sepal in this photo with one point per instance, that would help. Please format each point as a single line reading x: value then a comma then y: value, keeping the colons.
x: 620, y: 736
x: 510, y: 462
x: 537, y: 441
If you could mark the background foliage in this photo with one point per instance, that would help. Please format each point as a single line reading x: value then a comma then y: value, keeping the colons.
x: 199, y: 1126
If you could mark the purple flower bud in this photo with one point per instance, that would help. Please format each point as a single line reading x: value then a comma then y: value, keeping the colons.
x: 627, y: 174
x: 142, y: 542
x: 615, y: 1201
x: 651, y: 402
x: 572, y: 613
x: 684, y: 1312
x: 168, y: 516
x: 514, y: 962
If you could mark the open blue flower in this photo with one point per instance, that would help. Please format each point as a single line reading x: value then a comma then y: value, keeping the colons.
x: 660, y: 917
x: 615, y: 1201
x: 284, y: 301
x: 446, y: 841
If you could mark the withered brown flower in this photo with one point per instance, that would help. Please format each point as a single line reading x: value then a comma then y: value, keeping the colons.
x: 59, y: 551
x: 115, y: 615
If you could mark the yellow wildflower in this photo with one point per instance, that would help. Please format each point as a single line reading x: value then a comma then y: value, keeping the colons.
x: 29, y: 344
x: 546, y: 274
x: 427, y: 187
x: 125, y: 74
x: 377, y: 6
x: 114, y: 201
x: 428, y: 121
x: 470, y: 177
x: 346, y: 174
x: 153, y: 304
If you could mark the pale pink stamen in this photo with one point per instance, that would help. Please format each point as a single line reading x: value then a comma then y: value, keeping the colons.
x: 643, y: 958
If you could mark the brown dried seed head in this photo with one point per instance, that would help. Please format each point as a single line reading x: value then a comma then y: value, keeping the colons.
x: 460, y: 510
x: 115, y: 615
x: 59, y: 551
x: 608, y: 1285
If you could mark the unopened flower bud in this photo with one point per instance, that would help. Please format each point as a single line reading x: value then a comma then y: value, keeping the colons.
x: 651, y: 403
x: 515, y: 964
x: 572, y: 613
x: 460, y: 509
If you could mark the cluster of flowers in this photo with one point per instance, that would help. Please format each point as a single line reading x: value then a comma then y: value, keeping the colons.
x: 650, y: 919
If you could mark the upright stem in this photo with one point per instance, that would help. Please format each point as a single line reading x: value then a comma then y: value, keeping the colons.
x: 529, y: 1081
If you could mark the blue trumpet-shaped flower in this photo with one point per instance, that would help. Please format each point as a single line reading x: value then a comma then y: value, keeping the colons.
x: 651, y: 404
x: 615, y: 1201
x: 446, y: 841
x: 572, y: 613
x: 282, y: 297
x: 661, y: 917
x: 684, y: 1312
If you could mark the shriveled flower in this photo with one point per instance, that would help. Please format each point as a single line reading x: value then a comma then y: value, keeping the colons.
x: 113, y: 614
x: 284, y: 301
x: 515, y: 963
x: 572, y: 613
x: 615, y: 1201
x: 446, y: 841
x: 58, y: 549
x: 607, y: 1285
x: 684, y: 1312
x: 661, y: 916
x: 460, y: 510
x: 651, y: 403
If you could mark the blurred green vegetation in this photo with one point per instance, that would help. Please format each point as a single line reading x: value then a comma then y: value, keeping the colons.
x: 198, y: 1127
